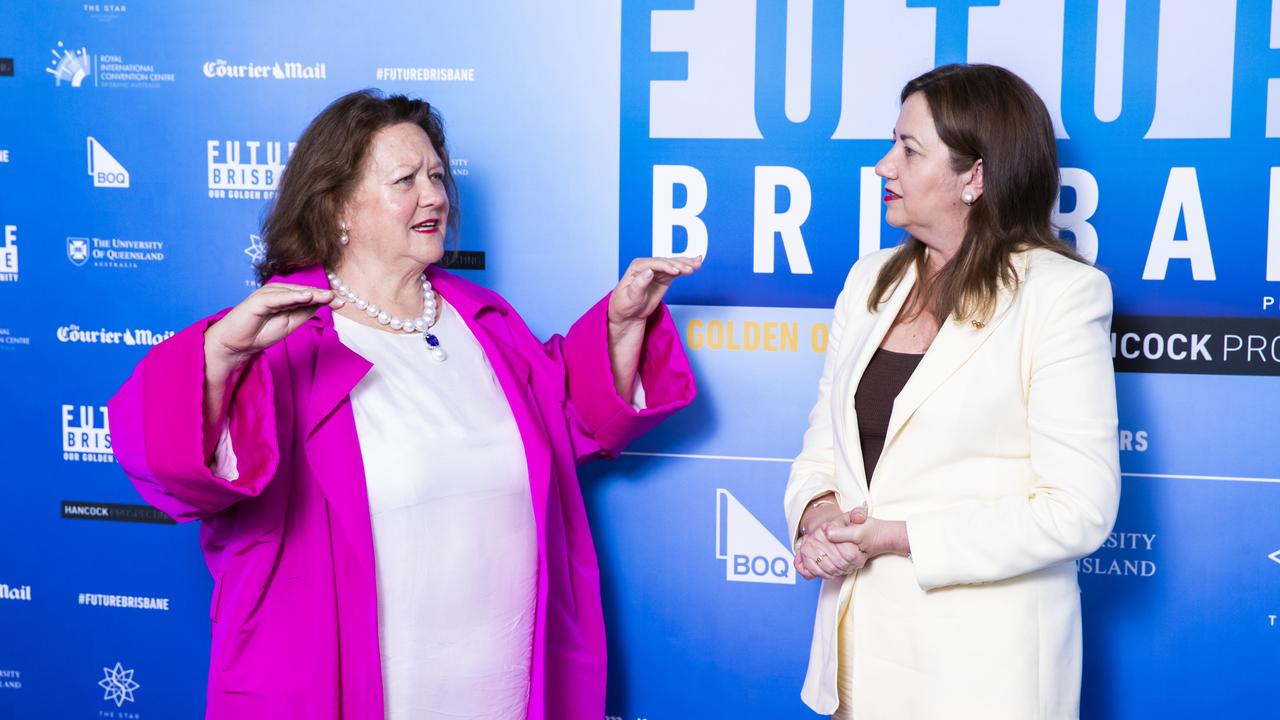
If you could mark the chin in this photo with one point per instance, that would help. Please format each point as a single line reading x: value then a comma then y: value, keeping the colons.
x: 430, y: 253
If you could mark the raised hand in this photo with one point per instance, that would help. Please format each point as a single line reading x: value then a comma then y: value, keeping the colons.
x: 261, y: 320
x: 637, y: 295
x: 643, y: 285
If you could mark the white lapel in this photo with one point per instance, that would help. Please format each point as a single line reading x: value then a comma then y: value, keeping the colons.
x: 955, y: 344
x: 862, y: 339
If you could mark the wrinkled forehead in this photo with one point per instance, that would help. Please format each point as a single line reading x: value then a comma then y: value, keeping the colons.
x: 403, y: 145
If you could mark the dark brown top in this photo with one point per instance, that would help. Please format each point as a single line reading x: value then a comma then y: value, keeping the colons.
x: 884, y: 378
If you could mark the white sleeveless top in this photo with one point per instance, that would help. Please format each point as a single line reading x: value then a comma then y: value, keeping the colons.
x: 453, y: 526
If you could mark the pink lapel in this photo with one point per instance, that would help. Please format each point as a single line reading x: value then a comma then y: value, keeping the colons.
x: 334, y: 460
x: 333, y: 450
x: 488, y: 320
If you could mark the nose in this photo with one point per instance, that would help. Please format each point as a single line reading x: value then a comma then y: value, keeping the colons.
x: 886, y: 168
x: 432, y: 194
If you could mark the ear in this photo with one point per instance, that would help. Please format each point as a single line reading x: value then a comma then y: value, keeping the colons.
x: 973, y: 179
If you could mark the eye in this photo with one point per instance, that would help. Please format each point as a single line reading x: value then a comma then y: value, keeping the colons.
x: 906, y: 150
x: 437, y: 176
x: 406, y: 180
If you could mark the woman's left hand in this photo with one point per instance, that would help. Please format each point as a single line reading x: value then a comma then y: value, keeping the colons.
x: 642, y: 286
x: 873, y: 535
x: 636, y: 298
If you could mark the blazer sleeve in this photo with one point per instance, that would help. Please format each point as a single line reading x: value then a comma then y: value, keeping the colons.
x: 601, y: 422
x: 158, y: 432
x: 813, y: 471
x: 1074, y: 454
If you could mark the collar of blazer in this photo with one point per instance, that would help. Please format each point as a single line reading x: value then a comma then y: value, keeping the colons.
x: 951, y: 349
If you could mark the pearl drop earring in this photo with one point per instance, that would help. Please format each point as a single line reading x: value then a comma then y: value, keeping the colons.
x: 967, y: 198
x: 343, y: 237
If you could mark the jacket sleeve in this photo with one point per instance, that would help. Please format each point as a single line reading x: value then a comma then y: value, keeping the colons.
x: 813, y: 471
x: 158, y: 432
x: 602, y: 423
x: 1074, y: 453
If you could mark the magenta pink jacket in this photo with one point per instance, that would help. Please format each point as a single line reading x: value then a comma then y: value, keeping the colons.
x: 289, y: 544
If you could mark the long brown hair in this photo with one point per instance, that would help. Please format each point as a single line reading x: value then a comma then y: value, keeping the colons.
x: 984, y: 112
x: 301, y: 226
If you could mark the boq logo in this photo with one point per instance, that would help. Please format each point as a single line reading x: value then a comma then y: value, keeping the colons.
x: 106, y: 171
x: 751, y: 553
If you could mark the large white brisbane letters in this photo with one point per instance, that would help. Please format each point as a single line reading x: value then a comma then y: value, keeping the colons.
x: 1181, y: 197
x: 769, y: 222
x: 667, y: 217
x: 1077, y: 221
x: 1273, y: 226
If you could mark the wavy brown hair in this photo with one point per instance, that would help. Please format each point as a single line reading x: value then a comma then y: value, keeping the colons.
x: 984, y: 112
x: 301, y: 226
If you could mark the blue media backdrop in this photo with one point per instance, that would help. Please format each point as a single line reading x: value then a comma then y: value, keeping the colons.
x: 140, y: 143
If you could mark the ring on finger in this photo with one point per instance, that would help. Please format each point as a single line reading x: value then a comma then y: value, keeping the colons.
x: 820, y: 558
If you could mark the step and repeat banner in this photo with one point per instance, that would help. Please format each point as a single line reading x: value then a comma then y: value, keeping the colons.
x: 141, y: 143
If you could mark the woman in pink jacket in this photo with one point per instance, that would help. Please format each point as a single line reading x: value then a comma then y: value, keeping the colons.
x: 383, y: 455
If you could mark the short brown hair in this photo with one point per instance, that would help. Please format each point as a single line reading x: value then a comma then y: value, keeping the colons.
x: 985, y: 112
x: 301, y: 226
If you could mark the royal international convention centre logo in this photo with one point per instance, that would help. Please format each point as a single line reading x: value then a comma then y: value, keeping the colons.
x: 77, y: 67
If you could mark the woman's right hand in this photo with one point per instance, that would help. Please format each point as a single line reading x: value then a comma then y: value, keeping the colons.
x: 817, y: 555
x: 261, y: 320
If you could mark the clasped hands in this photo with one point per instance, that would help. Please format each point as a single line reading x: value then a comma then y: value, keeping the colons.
x: 837, y: 543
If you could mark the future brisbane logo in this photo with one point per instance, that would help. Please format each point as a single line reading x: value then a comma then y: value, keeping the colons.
x: 750, y: 131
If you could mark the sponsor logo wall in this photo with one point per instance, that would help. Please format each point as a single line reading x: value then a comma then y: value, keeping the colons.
x: 583, y: 136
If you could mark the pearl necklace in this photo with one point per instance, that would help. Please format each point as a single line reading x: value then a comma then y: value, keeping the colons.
x: 423, y: 323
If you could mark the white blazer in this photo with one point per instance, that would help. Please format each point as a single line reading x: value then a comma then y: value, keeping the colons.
x: 1002, y: 457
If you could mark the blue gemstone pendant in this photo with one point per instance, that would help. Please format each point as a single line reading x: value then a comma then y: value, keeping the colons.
x: 433, y: 343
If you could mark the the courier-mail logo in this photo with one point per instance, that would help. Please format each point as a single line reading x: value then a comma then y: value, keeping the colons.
x: 750, y: 552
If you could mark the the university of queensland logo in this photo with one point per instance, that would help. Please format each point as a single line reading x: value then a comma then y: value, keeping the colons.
x: 750, y: 552
x: 106, y: 171
x: 69, y: 66
x: 118, y: 685
x: 78, y: 250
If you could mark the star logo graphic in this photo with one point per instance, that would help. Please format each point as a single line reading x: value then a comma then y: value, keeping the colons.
x: 256, y: 250
x: 118, y: 684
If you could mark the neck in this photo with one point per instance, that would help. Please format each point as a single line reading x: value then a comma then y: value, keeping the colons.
x: 940, y: 250
x: 396, y: 290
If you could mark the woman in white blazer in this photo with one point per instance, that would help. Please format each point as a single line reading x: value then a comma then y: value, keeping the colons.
x: 963, y: 450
